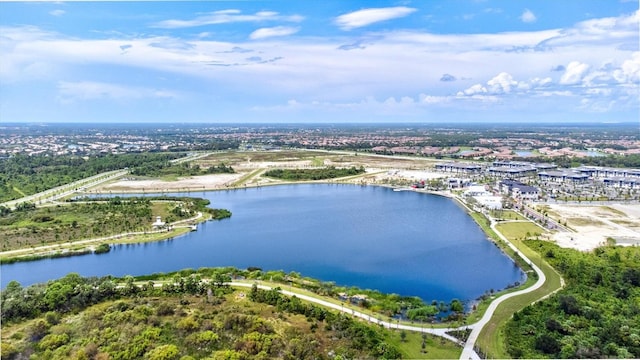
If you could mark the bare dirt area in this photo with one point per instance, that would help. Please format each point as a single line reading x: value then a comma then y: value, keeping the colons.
x: 203, y: 182
x: 250, y: 165
x: 594, y: 224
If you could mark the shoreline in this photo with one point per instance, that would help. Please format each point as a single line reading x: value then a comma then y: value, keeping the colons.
x: 88, y: 246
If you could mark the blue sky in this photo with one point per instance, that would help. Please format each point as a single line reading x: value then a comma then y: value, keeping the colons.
x: 320, y: 61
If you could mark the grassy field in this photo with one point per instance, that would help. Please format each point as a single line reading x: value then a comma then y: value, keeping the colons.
x: 491, y: 339
x: 519, y: 230
x: 506, y: 215
x: 436, y: 347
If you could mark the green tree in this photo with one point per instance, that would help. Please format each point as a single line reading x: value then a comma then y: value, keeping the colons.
x: 163, y: 352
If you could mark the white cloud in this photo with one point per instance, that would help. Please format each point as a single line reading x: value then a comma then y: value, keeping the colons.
x: 227, y: 16
x: 429, y: 99
x: 501, y: 84
x: 394, y: 65
x: 528, y: 16
x: 57, y: 12
x: 70, y: 92
x: 475, y: 89
x: 621, y: 31
x: 273, y: 31
x: 370, y: 16
x: 574, y: 73
x: 629, y: 72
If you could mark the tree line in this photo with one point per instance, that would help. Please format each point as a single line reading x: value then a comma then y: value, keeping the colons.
x: 22, y: 175
x: 595, y: 316
x: 329, y: 172
x: 186, y: 318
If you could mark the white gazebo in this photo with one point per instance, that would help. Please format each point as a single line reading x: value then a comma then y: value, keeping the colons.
x: 158, y: 223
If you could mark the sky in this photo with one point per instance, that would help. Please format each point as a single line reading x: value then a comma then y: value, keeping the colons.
x: 335, y: 61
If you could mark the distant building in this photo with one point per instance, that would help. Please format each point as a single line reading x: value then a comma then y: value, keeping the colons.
x: 456, y: 167
x: 490, y: 202
x: 476, y: 190
x: 563, y: 176
x: 454, y: 183
x: 623, y: 182
x: 608, y: 172
x: 511, y: 171
x: 518, y: 190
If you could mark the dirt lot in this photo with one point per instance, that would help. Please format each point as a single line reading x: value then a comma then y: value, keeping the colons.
x: 594, y: 224
x: 250, y: 165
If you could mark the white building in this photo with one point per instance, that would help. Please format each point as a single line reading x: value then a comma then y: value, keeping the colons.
x: 158, y: 223
x: 490, y: 202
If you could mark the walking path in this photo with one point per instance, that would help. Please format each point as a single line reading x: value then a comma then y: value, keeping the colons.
x: 468, y: 351
x: 436, y: 331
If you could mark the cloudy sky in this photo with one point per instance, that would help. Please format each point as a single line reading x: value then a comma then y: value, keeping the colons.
x: 320, y: 61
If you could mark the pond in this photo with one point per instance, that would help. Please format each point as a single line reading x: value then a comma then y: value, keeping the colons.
x: 403, y: 242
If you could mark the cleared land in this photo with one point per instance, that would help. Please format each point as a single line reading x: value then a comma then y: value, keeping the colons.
x: 592, y: 225
x: 250, y: 165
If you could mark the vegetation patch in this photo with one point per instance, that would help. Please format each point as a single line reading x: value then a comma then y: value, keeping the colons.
x: 595, y: 316
x: 580, y: 221
x: 627, y: 223
x: 22, y: 175
x: 88, y: 218
x: 610, y: 210
x: 188, y: 316
x: 329, y: 172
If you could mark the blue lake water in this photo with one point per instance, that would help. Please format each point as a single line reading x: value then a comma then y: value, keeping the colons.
x: 371, y: 237
x: 523, y: 153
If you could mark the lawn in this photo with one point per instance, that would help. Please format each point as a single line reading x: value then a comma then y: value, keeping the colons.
x: 506, y: 215
x: 436, y: 347
x: 519, y: 230
x: 491, y: 339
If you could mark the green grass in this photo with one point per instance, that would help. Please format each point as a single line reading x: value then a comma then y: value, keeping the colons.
x: 317, y: 161
x: 507, y: 215
x: 491, y: 339
x: 519, y: 230
x: 19, y: 191
x: 484, y: 224
x: 436, y: 347
x: 247, y: 177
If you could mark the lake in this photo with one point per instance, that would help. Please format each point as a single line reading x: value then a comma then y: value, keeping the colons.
x: 371, y: 237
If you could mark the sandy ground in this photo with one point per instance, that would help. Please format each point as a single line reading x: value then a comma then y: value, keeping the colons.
x: 594, y: 224
x: 214, y: 181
